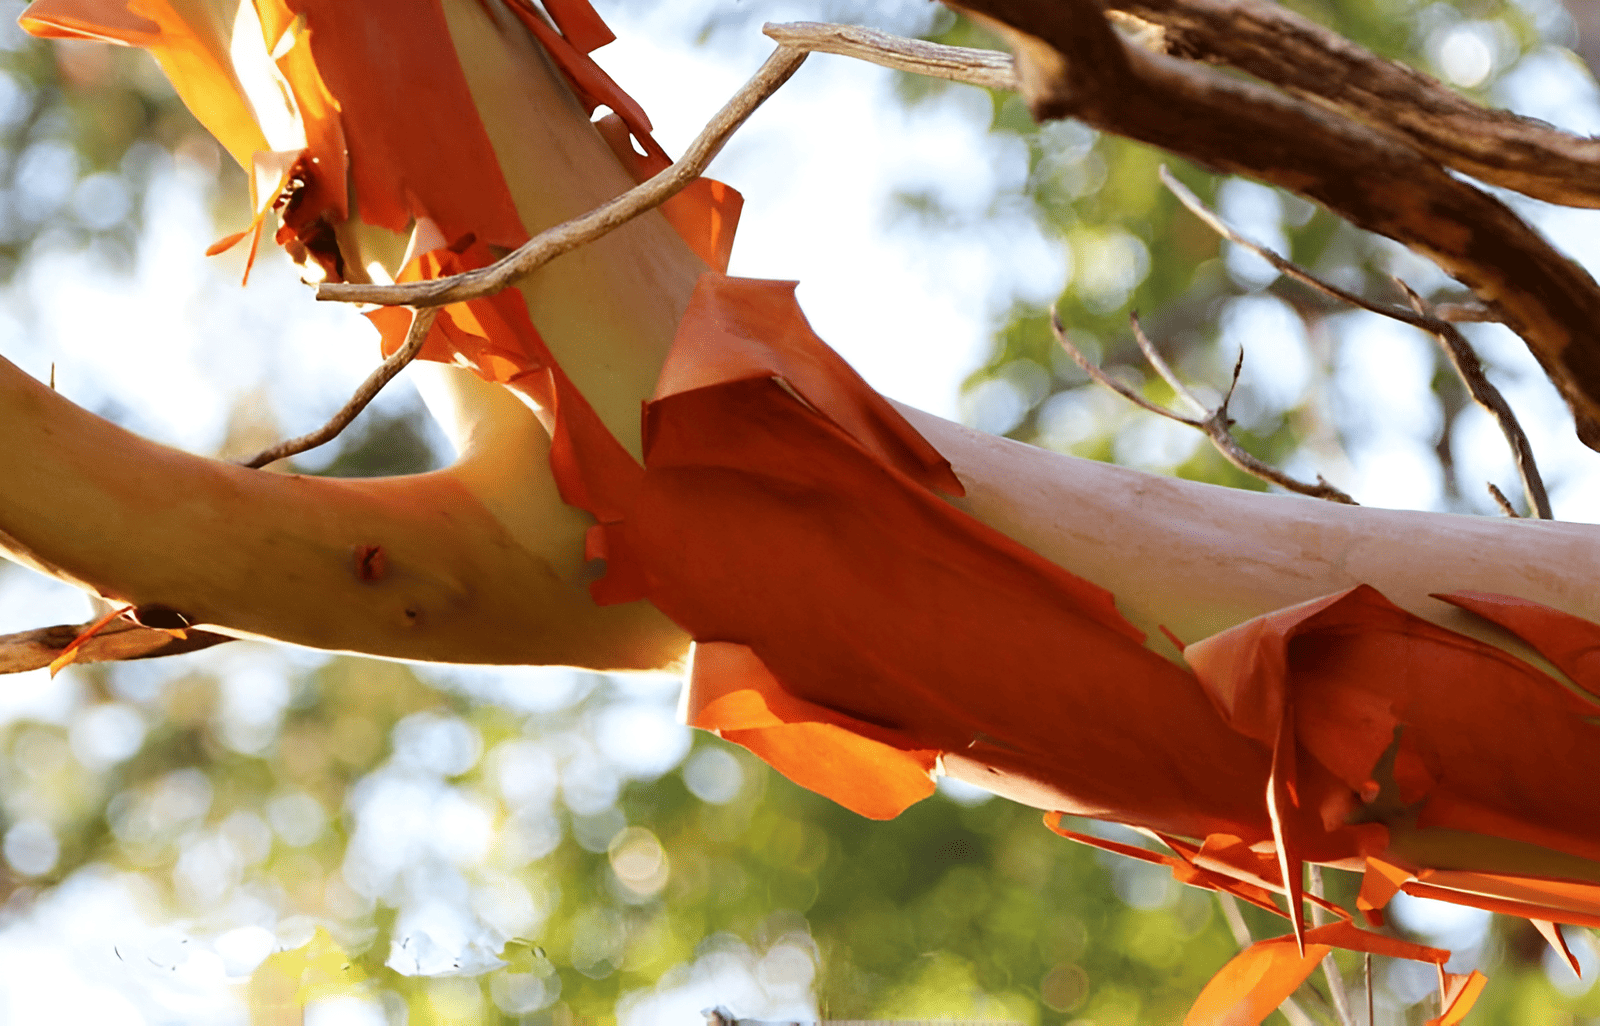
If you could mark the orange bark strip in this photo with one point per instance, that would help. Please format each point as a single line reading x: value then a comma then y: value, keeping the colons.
x: 1551, y: 932
x: 857, y: 765
x: 1254, y: 983
x: 1570, y: 642
x: 1460, y: 994
x: 1258, y: 979
x: 69, y: 655
x: 1521, y: 909
x: 762, y: 519
x: 380, y: 57
x: 193, y: 52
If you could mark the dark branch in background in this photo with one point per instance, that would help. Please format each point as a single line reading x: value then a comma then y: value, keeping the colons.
x: 415, y: 337
x: 1456, y: 347
x: 117, y: 640
x: 1306, y: 60
x: 1071, y: 64
x: 1214, y: 424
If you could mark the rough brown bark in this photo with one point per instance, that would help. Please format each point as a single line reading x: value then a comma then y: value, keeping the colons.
x: 1306, y: 60
x: 1071, y: 64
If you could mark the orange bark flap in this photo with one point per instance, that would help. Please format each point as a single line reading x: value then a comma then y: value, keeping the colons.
x: 1570, y: 642
x: 1254, y: 983
x: 730, y: 691
x: 383, y: 56
x: 1553, y: 936
x: 1259, y: 978
x: 1380, y: 883
x: 580, y: 24
x: 741, y: 328
x: 193, y: 51
x: 1459, y: 994
x: 705, y: 214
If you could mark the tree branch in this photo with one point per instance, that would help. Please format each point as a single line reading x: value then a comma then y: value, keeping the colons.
x: 568, y: 236
x: 1470, y: 369
x: 1071, y: 64
x: 1307, y: 60
x: 415, y: 337
x: 990, y: 69
x: 1214, y: 424
x: 1330, y: 969
x: 1456, y: 347
x: 116, y: 641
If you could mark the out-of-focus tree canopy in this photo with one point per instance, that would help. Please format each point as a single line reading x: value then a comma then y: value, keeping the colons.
x: 399, y: 844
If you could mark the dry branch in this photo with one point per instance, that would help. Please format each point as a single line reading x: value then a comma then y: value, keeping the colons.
x: 116, y: 641
x: 1456, y: 347
x: 396, y: 362
x: 1071, y: 64
x: 1470, y: 369
x: 1307, y: 60
x: 568, y: 236
x: 1214, y: 424
x: 990, y: 69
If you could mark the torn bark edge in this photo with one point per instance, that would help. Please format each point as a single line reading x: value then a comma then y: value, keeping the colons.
x: 1071, y: 64
x: 116, y: 641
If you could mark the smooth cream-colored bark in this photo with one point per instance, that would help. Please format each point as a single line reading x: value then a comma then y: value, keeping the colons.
x: 276, y: 556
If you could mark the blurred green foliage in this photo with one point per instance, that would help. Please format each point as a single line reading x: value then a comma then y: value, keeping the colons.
x: 455, y: 848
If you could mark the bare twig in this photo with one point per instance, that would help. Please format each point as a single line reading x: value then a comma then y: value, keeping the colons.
x: 415, y: 337
x: 1215, y: 424
x: 1330, y: 969
x: 1500, y: 500
x: 565, y: 237
x: 116, y: 641
x: 1072, y: 64
x: 1455, y: 344
x: 991, y: 69
x: 1470, y: 369
x: 1367, y: 975
x: 1465, y: 313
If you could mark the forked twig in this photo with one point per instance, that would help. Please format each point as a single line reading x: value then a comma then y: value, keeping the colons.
x: 565, y: 237
x: 1470, y: 369
x: 1457, y: 348
x: 1215, y: 424
x: 415, y: 337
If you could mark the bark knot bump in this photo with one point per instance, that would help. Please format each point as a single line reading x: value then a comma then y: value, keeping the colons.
x: 372, y: 565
